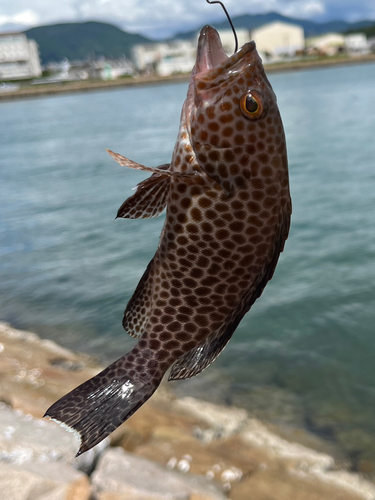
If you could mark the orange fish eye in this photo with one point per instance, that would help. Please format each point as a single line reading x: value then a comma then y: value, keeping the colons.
x: 251, y: 105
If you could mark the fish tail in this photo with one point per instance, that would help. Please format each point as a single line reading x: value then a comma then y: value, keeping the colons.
x: 97, y: 407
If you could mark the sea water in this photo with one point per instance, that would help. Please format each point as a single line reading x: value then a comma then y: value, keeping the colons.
x: 304, y: 355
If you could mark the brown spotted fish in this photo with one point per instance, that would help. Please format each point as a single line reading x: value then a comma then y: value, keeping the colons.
x: 226, y: 192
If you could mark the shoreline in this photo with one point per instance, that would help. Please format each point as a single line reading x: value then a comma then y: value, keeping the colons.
x: 183, y: 435
x: 92, y: 86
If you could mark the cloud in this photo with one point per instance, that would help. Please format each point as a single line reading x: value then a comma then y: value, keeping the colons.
x: 309, y: 9
x: 26, y: 17
x: 166, y: 17
x: 349, y: 10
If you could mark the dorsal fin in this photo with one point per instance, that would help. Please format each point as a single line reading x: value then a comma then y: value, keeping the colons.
x: 150, y: 197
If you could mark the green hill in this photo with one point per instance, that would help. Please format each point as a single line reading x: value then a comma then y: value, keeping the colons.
x: 79, y: 41
x: 369, y: 31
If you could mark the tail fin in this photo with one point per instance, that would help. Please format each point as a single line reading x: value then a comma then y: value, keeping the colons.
x: 97, y: 407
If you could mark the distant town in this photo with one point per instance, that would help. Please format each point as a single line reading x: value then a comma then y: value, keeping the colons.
x: 276, y: 42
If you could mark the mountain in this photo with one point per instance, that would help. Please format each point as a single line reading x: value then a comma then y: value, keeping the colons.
x: 311, y: 28
x: 79, y: 41
x: 369, y: 31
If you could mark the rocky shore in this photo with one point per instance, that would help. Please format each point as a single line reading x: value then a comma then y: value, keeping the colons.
x: 171, y: 449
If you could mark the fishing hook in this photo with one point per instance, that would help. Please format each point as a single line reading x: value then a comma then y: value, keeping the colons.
x: 230, y: 21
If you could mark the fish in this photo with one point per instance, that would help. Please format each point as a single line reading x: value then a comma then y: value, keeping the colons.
x: 228, y: 210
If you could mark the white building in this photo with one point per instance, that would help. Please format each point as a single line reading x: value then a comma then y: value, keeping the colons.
x: 179, y: 56
x: 19, y: 57
x: 357, y: 43
x: 227, y: 39
x: 279, y: 39
x: 328, y: 44
x: 371, y: 43
x: 165, y: 58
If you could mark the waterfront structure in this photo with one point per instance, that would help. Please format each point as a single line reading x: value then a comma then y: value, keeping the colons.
x: 356, y: 43
x: 329, y: 44
x: 19, y: 57
x: 371, y: 44
x: 227, y: 39
x: 279, y: 39
x: 111, y: 69
x: 177, y: 56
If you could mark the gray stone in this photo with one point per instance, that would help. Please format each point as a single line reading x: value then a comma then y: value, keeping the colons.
x: 121, y: 475
x: 24, y: 438
x: 43, y: 481
x: 36, y: 458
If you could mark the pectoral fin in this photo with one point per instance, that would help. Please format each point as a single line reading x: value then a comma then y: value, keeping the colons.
x: 149, y: 199
x: 125, y: 162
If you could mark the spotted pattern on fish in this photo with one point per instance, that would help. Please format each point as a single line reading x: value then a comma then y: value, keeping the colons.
x: 228, y: 214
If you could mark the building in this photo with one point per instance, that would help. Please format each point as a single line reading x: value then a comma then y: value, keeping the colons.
x: 273, y: 40
x: 371, y: 43
x: 165, y: 58
x: 356, y: 43
x: 279, y: 39
x: 19, y: 57
x: 227, y: 39
x: 178, y: 56
x: 329, y: 44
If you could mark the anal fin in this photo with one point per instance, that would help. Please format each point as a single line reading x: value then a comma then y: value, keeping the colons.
x: 199, y: 358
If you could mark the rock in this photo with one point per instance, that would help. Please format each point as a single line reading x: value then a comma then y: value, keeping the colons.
x: 124, y: 476
x: 259, y: 435
x: 43, y: 481
x: 223, y: 421
x: 245, y: 457
x: 87, y: 461
x: 35, y: 373
x: 24, y: 438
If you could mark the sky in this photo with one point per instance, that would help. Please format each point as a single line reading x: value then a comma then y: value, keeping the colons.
x: 160, y: 18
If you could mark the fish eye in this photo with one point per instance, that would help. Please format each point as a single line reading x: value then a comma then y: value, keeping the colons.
x: 251, y: 105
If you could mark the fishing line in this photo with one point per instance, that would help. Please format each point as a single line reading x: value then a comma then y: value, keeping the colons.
x: 230, y: 21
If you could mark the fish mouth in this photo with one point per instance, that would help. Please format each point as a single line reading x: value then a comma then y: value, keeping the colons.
x: 210, y: 52
x: 211, y: 57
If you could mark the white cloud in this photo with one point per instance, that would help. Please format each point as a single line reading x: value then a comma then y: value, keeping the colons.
x: 308, y: 9
x: 165, y: 17
x: 27, y: 17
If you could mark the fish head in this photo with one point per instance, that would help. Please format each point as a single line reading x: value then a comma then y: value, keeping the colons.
x: 231, y: 109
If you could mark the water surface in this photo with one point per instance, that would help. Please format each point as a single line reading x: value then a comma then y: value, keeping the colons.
x: 304, y: 354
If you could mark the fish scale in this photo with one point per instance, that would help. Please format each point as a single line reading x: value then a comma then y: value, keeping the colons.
x: 226, y: 192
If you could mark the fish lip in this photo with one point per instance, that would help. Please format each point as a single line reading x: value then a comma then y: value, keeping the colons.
x: 211, y: 58
x: 210, y: 52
